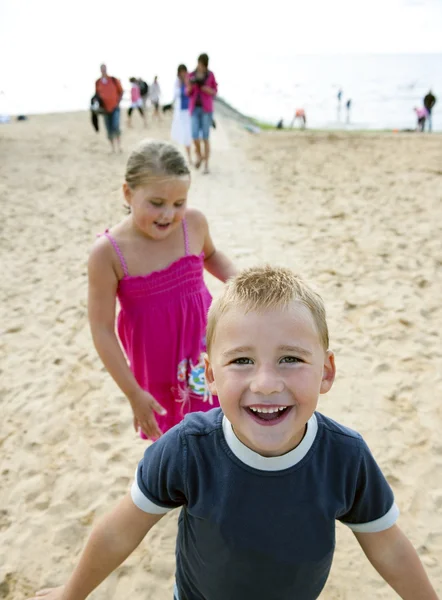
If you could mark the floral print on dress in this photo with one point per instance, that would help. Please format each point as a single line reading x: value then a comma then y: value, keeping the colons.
x: 193, y: 374
x: 182, y: 370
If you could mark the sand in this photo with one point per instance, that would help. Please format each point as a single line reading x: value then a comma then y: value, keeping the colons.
x: 357, y: 214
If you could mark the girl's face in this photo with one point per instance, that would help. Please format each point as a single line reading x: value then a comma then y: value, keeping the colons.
x: 158, y: 208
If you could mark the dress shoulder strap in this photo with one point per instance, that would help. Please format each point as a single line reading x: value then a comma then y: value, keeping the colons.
x: 186, y: 238
x: 118, y: 251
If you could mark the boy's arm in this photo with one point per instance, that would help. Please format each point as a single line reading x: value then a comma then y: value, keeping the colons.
x: 394, y: 558
x: 113, y: 539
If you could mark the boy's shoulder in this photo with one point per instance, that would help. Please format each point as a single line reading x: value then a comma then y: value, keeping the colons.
x: 201, y: 424
x: 338, y: 433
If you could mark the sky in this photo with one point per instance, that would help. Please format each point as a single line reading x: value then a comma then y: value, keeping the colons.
x: 65, y: 33
x: 60, y: 40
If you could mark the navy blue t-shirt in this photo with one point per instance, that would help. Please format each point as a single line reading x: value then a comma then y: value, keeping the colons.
x: 254, y: 528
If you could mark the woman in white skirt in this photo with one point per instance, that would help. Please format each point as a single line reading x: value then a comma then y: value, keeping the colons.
x: 181, y: 125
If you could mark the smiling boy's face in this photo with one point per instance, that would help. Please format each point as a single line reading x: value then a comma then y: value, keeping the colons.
x: 268, y: 368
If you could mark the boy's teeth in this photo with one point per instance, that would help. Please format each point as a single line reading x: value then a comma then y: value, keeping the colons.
x: 270, y: 409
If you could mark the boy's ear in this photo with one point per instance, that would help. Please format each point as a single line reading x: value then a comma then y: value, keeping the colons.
x: 329, y: 372
x: 210, y: 380
x: 127, y: 193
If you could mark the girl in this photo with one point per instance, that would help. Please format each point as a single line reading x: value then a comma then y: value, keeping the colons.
x: 181, y: 127
x: 153, y: 261
x: 136, y: 102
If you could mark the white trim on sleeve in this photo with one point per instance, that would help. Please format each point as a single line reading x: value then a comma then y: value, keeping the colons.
x: 385, y: 522
x: 143, y: 503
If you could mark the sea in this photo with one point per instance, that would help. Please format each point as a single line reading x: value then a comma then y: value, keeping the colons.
x: 383, y: 89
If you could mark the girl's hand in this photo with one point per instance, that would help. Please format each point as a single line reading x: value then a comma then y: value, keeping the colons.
x: 144, y: 407
x: 49, y: 594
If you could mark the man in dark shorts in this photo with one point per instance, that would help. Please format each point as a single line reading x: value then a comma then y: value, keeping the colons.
x: 429, y: 102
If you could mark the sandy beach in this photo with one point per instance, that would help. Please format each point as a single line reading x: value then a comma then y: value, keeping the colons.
x: 358, y: 215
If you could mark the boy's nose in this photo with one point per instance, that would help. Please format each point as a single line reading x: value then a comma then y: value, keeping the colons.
x: 266, y: 382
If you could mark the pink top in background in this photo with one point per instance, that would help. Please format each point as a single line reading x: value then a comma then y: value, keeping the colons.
x: 162, y: 328
x: 206, y: 99
x: 421, y: 113
x: 135, y: 93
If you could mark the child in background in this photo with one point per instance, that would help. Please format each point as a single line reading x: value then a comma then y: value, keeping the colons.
x: 155, y: 95
x: 136, y: 102
x: 421, y: 114
x: 153, y: 261
x: 181, y: 126
x: 262, y: 480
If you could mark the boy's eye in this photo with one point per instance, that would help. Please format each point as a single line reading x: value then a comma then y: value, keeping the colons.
x: 156, y: 204
x: 290, y: 359
x: 179, y: 204
x: 242, y: 361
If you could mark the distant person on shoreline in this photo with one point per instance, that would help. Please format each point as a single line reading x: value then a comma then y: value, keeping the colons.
x: 202, y: 88
x: 348, y: 107
x: 155, y: 95
x: 299, y: 116
x: 181, y: 126
x: 339, y: 97
x: 421, y: 114
x: 109, y: 91
x: 429, y: 102
x: 136, y: 102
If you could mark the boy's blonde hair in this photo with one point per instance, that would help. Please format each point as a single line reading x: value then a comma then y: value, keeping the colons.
x: 153, y: 159
x: 261, y: 288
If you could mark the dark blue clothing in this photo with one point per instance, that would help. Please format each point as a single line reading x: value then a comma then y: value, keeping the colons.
x: 184, y: 98
x: 254, y: 528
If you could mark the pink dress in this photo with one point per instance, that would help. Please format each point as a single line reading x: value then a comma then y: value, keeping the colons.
x: 162, y: 326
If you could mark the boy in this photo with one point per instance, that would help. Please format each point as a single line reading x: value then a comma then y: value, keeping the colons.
x: 262, y: 480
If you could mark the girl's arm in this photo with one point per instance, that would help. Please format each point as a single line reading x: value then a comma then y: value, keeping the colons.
x: 212, y: 87
x: 102, y: 292
x: 219, y: 265
x: 215, y: 261
x: 394, y: 558
x: 112, y: 540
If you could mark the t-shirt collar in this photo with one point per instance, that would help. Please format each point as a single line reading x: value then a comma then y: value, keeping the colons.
x: 274, y: 463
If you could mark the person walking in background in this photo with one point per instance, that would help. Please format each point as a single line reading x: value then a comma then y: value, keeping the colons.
x: 155, y: 95
x: 348, y: 107
x: 429, y: 102
x: 202, y: 88
x: 181, y: 126
x: 144, y: 91
x: 109, y: 91
x: 136, y: 102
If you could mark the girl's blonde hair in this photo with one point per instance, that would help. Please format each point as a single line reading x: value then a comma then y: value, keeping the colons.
x: 152, y: 159
x: 261, y: 288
